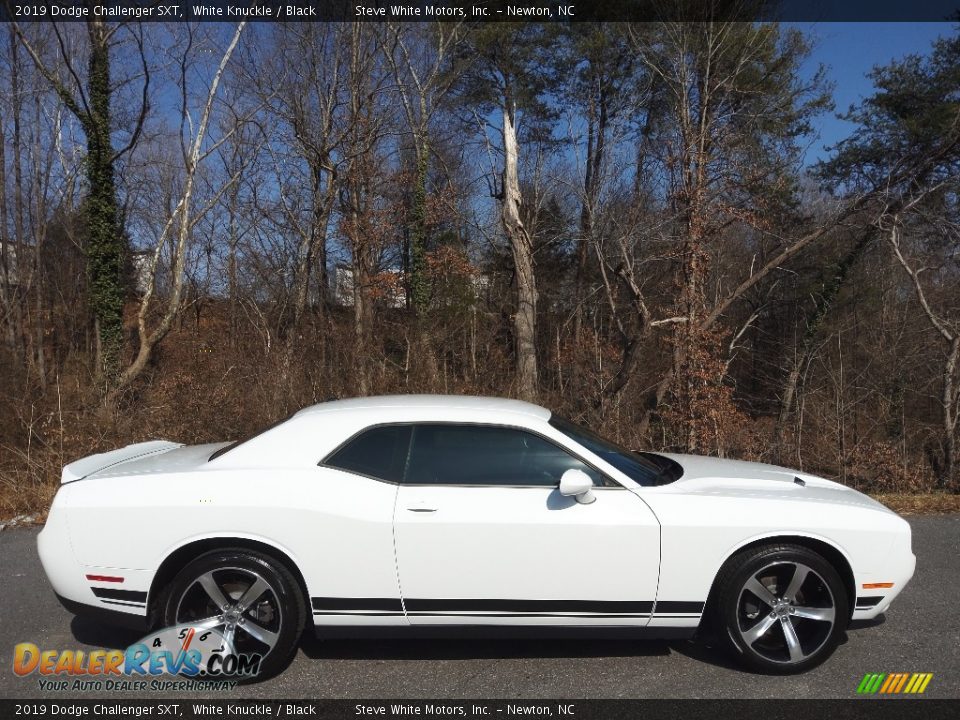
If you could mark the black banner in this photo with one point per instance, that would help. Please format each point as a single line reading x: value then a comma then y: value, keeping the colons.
x: 478, y: 10
x: 877, y: 709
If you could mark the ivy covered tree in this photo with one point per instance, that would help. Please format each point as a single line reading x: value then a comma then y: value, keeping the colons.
x: 90, y: 102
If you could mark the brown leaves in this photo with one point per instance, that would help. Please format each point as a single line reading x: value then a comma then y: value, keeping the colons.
x: 701, y: 414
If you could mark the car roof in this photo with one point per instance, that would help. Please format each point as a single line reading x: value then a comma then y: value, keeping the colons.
x: 439, y: 402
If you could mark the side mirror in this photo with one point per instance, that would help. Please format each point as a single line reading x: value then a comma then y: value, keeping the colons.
x: 577, y: 483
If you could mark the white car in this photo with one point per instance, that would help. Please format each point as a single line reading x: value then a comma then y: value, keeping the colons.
x: 441, y: 513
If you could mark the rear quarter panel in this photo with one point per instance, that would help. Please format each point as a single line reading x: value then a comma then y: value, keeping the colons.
x: 336, y: 527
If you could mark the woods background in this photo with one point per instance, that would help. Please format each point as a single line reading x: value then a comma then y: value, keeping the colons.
x: 206, y: 227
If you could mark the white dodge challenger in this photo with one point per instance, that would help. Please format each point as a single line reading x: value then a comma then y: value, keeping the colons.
x: 423, y: 514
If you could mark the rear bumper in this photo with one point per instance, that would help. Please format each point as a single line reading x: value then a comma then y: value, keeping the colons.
x: 105, y: 616
x: 72, y: 583
x: 59, y: 563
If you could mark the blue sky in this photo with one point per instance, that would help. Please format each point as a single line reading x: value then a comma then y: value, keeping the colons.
x: 850, y: 51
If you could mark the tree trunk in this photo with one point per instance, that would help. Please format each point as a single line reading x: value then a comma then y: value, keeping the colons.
x: 419, y: 288
x: 9, y: 272
x: 525, y: 319
x: 104, y: 240
x: 233, y: 240
x: 181, y: 217
x: 361, y: 311
x: 950, y: 402
x: 311, y: 250
x: 828, y: 295
x: 596, y: 146
x: 950, y: 396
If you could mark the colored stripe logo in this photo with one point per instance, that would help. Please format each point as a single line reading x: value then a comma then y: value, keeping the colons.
x: 894, y: 683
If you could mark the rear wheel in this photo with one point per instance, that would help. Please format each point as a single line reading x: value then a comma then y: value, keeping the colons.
x: 782, y: 608
x: 248, y: 597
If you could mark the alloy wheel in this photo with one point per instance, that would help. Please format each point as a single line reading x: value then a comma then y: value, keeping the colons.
x: 786, y: 612
x: 239, y: 603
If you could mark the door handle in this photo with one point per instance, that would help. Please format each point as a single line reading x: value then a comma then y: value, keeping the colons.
x: 421, y: 509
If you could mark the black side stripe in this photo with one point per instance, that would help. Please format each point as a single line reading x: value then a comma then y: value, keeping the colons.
x: 133, y: 596
x: 342, y: 604
x: 358, y: 613
x: 139, y: 606
x: 868, y: 601
x: 532, y: 606
x: 571, y: 616
x: 677, y: 607
x: 508, y: 608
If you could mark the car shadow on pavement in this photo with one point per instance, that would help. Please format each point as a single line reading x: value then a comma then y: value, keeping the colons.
x: 91, y: 632
x: 864, y: 624
x: 705, y: 648
x: 472, y: 649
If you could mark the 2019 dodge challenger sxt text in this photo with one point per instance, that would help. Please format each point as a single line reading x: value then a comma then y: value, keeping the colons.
x: 435, y: 512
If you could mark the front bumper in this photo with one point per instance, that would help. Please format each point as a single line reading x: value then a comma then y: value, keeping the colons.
x: 872, y: 602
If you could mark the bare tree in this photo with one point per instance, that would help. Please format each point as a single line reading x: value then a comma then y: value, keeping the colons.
x: 359, y: 193
x: 733, y: 110
x: 421, y: 58
x: 510, y: 75
x: 181, y: 221
x: 949, y: 333
x: 308, y: 101
x: 90, y: 101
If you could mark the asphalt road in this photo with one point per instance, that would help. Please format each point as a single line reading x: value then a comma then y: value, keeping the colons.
x: 920, y: 634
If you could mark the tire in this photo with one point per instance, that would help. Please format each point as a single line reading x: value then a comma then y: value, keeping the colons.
x: 269, y: 623
x: 782, y: 609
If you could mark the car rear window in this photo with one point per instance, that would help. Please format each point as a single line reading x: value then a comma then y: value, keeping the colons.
x: 380, y: 453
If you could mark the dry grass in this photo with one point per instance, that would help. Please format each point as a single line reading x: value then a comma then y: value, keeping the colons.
x: 19, y: 498
x: 921, y: 503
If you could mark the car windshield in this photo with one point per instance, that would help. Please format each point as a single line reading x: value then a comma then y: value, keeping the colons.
x: 643, y: 468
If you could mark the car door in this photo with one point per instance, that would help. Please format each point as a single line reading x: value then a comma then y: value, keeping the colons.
x: 354, y: 565
x: 483, y: 535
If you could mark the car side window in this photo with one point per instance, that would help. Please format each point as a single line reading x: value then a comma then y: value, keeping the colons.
x: 380, y: 452
x: 449, y: 454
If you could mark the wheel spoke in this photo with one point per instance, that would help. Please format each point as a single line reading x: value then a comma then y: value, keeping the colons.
x: 759, y: 630
x: 268, y: 637
x: 800, y: 573
x: 815, y: 613
x: 209, y: 584
x: 253, y: 592
x: 205, y: 624
x: 793, y: 642
x: 228, y: 637
x: 758, y: 589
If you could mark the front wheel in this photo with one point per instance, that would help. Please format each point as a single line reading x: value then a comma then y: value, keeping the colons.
x: 252, y: 600
x: 782, y: 608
